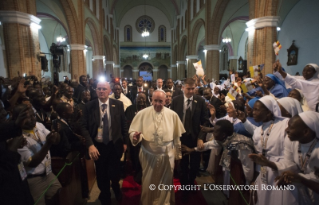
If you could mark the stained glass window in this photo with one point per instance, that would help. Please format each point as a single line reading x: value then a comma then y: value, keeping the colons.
x: 161, y: 33
x: 128, y: 33
x: 145, y: 22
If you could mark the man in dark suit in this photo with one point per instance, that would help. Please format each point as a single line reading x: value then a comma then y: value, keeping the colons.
x: 138, y: 88
x: 193, y: 113
x: 104, y: 128
x: 125, y: 88
x: 213, y: 101
x: 170, y: 86
x: 80, y: 88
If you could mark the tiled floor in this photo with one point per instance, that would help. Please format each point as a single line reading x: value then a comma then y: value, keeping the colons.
x: 211, y: 197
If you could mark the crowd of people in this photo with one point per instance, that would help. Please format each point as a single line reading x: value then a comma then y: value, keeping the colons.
x: 255, y: 130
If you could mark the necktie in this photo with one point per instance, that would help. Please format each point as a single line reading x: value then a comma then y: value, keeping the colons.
x: 188, y: 119
x: 105, y: 125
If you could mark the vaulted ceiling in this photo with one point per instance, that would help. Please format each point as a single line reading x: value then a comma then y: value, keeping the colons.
x: 171, y: 8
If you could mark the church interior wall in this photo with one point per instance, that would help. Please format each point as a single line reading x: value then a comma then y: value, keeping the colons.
x: 133, y: 14
x: 300, y: 25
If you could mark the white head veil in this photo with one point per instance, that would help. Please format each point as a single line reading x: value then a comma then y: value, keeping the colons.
x: 303, y: 101
x: 316, y: 75
x: 292, y: 105
x: 272, y: 105
x: 311, y: 119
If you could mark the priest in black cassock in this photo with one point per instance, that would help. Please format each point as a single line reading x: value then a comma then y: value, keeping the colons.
x: 130, y: 113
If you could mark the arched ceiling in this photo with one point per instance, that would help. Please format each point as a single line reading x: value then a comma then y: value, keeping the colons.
x: 171, y: 8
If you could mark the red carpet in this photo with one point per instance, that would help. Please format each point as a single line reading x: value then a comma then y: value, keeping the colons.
x: 132, y: 193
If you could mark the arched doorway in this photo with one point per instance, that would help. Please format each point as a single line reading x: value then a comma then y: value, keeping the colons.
x: 162, y: 72
x: 146, y: 71
x: 128, y: 72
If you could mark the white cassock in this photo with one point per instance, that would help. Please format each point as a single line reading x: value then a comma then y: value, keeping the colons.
x: 275, y: 153
x: 310, y: 89
x: 291, y: 162
x: 160, y: 138
x: 126, y: 102
x: 247, y: 164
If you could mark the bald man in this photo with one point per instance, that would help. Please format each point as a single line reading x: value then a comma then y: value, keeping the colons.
x: 105, y: 130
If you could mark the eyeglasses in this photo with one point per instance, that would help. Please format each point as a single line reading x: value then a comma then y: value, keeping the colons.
x: 99, y: 89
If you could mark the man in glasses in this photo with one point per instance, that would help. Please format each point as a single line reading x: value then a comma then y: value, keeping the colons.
x: 104, y: 128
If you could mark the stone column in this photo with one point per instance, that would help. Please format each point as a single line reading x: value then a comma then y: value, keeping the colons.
x: 174, y: 72
x: 262, y: 33
x: 98, y: 66
x: 21, y: 39
x: 155, y: 72
x: 212, y: 61
x: 180, y: 69
x: 116, y: 71
x: 109, y: 68
x: 233, y: 61
x: 190, y: 67
x: 77, y: 55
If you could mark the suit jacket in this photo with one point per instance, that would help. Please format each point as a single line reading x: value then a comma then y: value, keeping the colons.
x: 133, y: 93
x: 91, y: 121
x: 199, y: 114
x: 176, y: 91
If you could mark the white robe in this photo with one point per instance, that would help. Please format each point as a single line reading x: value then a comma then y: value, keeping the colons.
x: 275, y: 153
x: 310, y: 90
x: 291, y: 162
x: 157, y: 161
x: 126, y: 102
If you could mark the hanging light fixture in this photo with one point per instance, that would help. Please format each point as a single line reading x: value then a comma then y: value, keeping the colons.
x: 226, y: 40
x: 145, y: 56
x: 145, y: 33
x: 60, y: 38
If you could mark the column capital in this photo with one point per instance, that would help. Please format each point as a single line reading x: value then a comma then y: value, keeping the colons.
x: 211, y: 47
x: 155, y: 70
x: 181, y: 62
x: 233, y: 57
x: 173, y: 66
x: 116, y: 66
x: 191, y: 57
x: 78, y: 46
x: 18, y: 17
x: 98, y: 57
x: 109, y: 62
x: 262, y: 22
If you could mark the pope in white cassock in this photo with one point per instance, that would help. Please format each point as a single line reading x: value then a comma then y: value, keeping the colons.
x: 159, y: 130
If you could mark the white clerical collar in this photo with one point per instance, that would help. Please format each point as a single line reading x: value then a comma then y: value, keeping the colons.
x: 139, y: 88
x: 159, y: 88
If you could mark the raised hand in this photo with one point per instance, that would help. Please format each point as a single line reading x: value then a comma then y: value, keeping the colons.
x: 241, y: 115
x: 212, y: 110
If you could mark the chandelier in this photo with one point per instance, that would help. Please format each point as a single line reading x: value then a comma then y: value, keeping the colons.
x: 145, y: 56
x: 226, y: 40
x: 145, y: 33
x: 60, y: 38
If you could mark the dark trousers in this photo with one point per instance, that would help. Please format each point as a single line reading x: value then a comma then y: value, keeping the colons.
x: 107, y: 169
x: 189, y: 163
